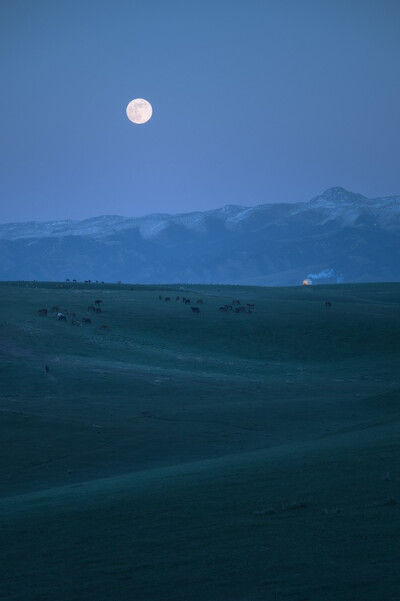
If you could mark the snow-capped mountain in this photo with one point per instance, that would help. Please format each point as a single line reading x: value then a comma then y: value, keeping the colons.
x: 336, y: 236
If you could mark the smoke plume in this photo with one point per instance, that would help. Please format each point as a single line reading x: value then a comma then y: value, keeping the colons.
x: 325, y: 275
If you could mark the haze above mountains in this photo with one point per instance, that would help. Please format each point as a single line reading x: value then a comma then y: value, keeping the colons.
x: 338, y: 236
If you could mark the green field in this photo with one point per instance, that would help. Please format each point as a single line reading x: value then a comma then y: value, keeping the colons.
x: 217, y: 456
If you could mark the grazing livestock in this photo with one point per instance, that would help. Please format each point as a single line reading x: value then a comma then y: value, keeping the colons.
x: 91, y: 309
x: 250, y: 305
x: 187, y: 301
x: 75, y: 322
x: 242, y: 310
x: 236, y: 301
x: 42, y: 312
x: 86, y: 320
x: 55, y: 309
x: 98, y: 302
x: 199, y: 301
x: 167, y: 299
x: 159, y: 297
x: 61, y: 317
x: 223, y: 309
x: 97, y: 310
x: 229, y: 307
x: 195, y: 309
x: 177, y: 298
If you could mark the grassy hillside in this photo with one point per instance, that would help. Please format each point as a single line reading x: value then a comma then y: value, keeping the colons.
x: 217, y: 455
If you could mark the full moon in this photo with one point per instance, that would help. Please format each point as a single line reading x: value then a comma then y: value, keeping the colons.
x: 139, y: 110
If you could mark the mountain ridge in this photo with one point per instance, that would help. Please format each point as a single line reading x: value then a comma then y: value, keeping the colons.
x: 340, y: 233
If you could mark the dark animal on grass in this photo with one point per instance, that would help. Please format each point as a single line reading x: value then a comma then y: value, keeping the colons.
x: 75, y: 322
x: 183, y: 299
x: 167, y: 299
x: 241, y: 310
x: 61, y: 317
x: 55, y: 309
x: 97, y: 310
x: 91, y: 309
x: 46, y: 369
x: 187, y: 301
x: 86, y: 320
x: 223, y: 309
x: 199, y: 301
x: 177, y: 298
x: 250, y: 305
x: 328, y: 304
x: 195, y: 309
x: 42, y: 312
x: 98, y: 302
x: 159, y: 297
x: 229, y: 307
x: 236, y: 301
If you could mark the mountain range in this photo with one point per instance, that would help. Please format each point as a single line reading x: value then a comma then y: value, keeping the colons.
x: 338, y: 236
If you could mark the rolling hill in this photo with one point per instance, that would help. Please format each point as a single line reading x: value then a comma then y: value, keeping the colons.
x: 216, y: 455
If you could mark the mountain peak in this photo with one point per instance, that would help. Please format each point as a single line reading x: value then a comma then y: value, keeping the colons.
x: 338, y: 194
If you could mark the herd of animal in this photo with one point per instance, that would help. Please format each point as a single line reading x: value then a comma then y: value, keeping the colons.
x: 235, y: 306
x: 184, y: 300
x: 65, y: 315
x: 95, y: 308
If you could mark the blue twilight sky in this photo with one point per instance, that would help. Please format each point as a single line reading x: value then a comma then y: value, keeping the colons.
x: 254, y: 101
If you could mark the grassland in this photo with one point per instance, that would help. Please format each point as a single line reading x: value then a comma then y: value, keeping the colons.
x: 211, y: 456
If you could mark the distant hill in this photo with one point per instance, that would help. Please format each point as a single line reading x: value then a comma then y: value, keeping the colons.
x: 337, y: 236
